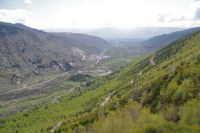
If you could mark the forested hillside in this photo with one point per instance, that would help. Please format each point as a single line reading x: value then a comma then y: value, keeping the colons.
x: 157, y: 93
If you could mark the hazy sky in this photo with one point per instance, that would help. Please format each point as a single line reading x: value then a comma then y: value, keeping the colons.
x: 45, y: 14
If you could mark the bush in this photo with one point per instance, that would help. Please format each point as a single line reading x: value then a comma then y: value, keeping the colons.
x: 184, y: 92
x: 190, y: 114
x: 171, y: 114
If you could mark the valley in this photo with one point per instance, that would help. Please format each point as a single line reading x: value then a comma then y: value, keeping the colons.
x: 76, y: 83
x: 45, y: 85
x: 46, y: 91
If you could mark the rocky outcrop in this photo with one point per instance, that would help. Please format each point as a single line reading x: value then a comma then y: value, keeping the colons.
x: 17, y: 79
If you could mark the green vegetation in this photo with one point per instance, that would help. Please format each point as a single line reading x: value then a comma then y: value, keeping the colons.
x: 167, y: 94
x: 15, y: 101
x: 144, y: 98
x: 115, y: 62
x: 122, y: 55
x: 124, y: 51
x: 80, y: 77
x: 134, y: 119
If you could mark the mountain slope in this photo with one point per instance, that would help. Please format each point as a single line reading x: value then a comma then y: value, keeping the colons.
x: 88, y: 43
x: 27, y: 52
x: 157, y: 93
x: 161, y: 40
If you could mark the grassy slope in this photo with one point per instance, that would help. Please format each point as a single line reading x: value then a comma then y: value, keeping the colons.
x: 159, y: 90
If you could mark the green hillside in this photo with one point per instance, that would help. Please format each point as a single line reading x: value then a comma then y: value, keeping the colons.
x: 157, y: 93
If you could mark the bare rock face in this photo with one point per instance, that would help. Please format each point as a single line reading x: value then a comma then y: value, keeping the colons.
x: 60, y: 65
x: 56, y: 68
x: 17, y: 79
x: 36, y: 72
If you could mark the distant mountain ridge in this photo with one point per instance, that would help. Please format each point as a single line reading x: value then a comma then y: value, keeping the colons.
x: 110, y: 33
x: 84, y: 41
x: 161, y: 40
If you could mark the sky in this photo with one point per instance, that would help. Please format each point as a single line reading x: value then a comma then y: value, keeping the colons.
x: 53, y: 14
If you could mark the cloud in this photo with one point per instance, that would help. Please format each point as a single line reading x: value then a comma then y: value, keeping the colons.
x: 66, y: 2
x: 14, y: 16
x: 161, y: 18
x: 28, y: 2
x: 109, y: 23
x: 197, y: 14
x: 170, y: 18
x: 98, y: 13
